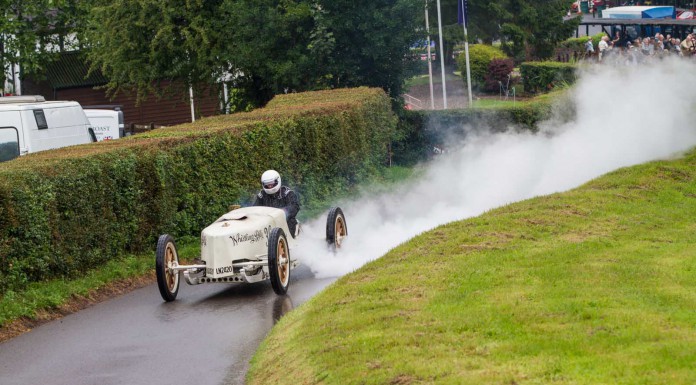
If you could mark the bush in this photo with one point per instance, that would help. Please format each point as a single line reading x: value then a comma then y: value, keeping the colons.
x: 422, y: 130
x: 65, y: 211
x: 480, y: 57
x: 545, y: 76
x: 499, y: 71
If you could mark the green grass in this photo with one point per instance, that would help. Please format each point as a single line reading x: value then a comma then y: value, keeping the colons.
x: 53, y: 294
x: 592, y: 286
x: 495, y: 103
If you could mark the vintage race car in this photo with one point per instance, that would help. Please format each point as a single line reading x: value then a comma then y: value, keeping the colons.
x: 250, y: 244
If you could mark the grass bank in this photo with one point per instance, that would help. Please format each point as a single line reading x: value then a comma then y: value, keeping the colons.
x: 593, y: 286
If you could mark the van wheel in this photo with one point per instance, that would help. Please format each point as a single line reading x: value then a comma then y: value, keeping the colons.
x: 166, y: 257
x: 279, y: 261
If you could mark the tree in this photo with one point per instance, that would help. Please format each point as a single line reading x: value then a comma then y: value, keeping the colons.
x: 139, y: 43
x: 371, y: 40
x: 536, y: 27
x: 531, y: 28
x: 303, y: 45
x: 33, y: 31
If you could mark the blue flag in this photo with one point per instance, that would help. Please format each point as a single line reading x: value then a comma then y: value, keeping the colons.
x: 462, y: 15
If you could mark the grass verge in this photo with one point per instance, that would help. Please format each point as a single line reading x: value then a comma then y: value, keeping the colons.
x: 593, y: 286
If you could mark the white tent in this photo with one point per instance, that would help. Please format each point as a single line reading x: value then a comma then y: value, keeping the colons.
x: 639, y: 12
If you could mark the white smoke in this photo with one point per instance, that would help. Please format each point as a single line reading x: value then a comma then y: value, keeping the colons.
x: 625, y: 116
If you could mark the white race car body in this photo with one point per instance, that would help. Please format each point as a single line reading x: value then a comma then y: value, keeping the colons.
x: 240, y: 236
x: 235, y: 247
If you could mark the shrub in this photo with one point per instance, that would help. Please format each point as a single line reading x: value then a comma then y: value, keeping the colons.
x: 499, y: 71
x: 65, y: 211
x: 480, y: 57
x: 545, y: 76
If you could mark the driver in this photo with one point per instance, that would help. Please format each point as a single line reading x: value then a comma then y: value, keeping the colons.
x: 273, y: 194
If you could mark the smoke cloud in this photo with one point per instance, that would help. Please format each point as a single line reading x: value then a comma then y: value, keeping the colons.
x: 625, y: 116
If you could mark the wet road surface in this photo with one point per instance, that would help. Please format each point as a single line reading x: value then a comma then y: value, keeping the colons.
x: 207, y: 336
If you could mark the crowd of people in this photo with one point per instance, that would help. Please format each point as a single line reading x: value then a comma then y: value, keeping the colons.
x: 633, y: 51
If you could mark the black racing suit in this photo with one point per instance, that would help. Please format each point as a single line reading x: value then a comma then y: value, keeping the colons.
x: 285, y: 199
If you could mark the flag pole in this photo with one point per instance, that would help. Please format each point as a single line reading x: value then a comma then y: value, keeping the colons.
x: 466, y: 52
x: 442, y: 57
x: 430, y: 62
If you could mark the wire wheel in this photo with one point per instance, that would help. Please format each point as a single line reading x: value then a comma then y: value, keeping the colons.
x: 279, y: 261
x: 165, y: 259
x: 336, y: 228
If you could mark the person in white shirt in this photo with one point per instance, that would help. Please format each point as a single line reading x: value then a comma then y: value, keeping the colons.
x: 603, y: 46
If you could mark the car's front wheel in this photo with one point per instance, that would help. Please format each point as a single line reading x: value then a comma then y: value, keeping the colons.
x: 166, y: 257
x: 279, y: 261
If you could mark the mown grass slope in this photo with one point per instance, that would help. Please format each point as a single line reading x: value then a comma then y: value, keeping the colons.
x: 593, y: 286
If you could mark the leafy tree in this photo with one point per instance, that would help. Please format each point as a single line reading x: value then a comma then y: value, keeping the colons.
x: 536, y: 27
x: 139, y: 43
x: 370, y: 40
x: 531, y: 28
x: 33, y: 31
x: 303, y: 45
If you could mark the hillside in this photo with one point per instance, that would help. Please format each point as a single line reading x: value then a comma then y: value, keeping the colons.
x: 592, y: 286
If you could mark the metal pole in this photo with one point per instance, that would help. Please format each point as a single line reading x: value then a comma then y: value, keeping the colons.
x: 430, y: 61
x: 193, y: 111
x: 466, y: 51
x: 442, y: 57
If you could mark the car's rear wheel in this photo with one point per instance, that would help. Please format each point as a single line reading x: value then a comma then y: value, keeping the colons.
x: 279, y: 261
x: 165, y: 258
x: 336, y: 228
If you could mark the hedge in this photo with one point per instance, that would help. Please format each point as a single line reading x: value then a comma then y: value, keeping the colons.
x: 545, y: 76
x: 422, y: 130
x: 65, y: 211
x: 480, y: 57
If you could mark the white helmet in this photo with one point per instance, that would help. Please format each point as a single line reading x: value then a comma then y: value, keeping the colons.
x: 270, y: 181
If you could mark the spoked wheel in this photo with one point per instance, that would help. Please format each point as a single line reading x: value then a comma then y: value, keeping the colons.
x: 279, y: 261
x: 336, y: 228
x: 166, y: 258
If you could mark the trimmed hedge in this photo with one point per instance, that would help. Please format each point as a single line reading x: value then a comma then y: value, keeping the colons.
x: 65, y: 211
x: 422, y: 130
x: 545, y: 76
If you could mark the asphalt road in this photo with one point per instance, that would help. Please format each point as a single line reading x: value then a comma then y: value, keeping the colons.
x: 207, y: 336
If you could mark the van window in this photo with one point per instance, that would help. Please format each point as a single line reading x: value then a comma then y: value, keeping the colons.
x: 9, y: 144
x: 40, y: 119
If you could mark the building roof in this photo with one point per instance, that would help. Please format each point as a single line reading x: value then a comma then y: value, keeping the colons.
x: 71, y: 70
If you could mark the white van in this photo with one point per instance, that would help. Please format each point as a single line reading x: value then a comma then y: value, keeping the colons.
x: 106, y: 123
x: 31, y: 124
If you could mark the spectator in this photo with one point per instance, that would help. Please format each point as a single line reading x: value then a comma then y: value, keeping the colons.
x: 589, y: 48
x: 668, y: 43
x: 676, y: 46
x: 603, y: 46
x: 646, y: 48
x: 687, y: 46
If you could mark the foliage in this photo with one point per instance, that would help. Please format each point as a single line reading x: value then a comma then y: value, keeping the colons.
x: 65, y: 211
x: 419, y: 131
x: 499, y: 71
x: 260, y: 47
x: 591, y: 286
x: 536, y: 27
x: 33, y: 31
x: 545, y: 76
x: 480, y: 57
x: 136, y: 43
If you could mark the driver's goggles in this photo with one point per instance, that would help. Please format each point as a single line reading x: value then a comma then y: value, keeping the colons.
x: 270, y: 184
